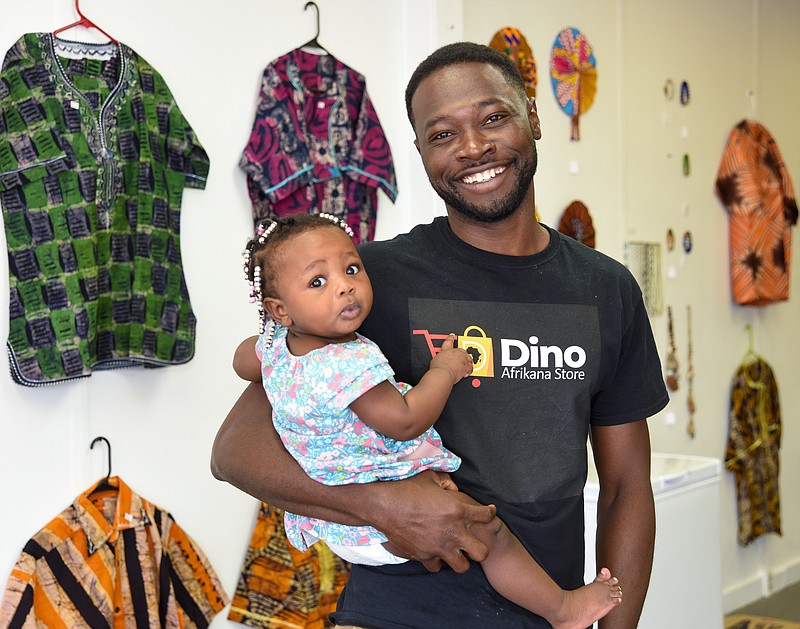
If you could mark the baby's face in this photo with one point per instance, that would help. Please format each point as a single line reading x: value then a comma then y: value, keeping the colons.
x: 322, y: 284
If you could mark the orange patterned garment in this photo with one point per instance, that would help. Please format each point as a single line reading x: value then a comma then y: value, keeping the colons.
x: 281, y: 587
x: 755, y: 188
x: 112, y: 559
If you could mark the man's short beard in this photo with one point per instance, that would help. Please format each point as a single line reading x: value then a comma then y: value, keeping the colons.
x: 500, y: 209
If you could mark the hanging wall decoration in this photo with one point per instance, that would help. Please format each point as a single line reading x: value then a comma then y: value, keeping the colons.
x: 512, y: 42
x: 756, y: 189
x: 643, y: 260
x: 685, y: 93
x: 669, y: 89
x: 577, y: 223
x: 573, y: 74
x: 690, y: 405
x: 94, y: 158
x: 753, y: 448
x: 687, y: 242
x: 112, y: 559
x: 280, y: 586
x: 672, y: 354
x: 317, y: 144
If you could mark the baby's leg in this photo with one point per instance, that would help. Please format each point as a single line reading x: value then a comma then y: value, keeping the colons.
x: 515, y: 575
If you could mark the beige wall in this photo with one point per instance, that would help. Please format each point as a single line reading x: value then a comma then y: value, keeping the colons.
x: 632, y: 142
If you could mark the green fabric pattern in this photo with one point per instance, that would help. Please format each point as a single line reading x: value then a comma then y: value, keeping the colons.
x: 94, y: 157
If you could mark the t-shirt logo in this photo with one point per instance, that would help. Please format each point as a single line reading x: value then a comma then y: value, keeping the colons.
x: 511, y: 345
x: 481, y: 350
x: 479, y: 347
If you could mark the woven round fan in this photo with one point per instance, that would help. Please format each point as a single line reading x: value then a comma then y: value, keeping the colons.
x: 512, y: 43
x: 573, y: 74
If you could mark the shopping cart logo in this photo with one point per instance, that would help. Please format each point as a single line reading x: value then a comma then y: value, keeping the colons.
x: 474, y: 341
x: 518, y: 360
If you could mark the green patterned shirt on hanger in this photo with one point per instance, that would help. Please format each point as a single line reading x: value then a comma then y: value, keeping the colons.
x: 94, y: 157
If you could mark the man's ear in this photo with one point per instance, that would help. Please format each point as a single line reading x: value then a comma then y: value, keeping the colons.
x: 416, y: 144
x: 276, y: 310
x: 533, y: 116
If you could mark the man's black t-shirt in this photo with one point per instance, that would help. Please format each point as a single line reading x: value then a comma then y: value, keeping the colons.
x: 560, y: 340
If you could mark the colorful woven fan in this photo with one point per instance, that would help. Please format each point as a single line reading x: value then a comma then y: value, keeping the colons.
x: 573, y: 75
x: 510, y: 41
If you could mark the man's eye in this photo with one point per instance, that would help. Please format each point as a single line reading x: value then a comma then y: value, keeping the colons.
x: 494, y: 118
x: 318, y: 282
x: 442, y: 135
x: 353, y: 269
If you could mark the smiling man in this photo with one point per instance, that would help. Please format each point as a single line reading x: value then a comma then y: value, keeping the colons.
x: 565, y: 352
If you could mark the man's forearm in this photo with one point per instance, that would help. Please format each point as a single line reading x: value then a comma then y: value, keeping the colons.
x: 626, y: 515
x: 625, y: 542
x: 248, y: 454
x: 421, y: 518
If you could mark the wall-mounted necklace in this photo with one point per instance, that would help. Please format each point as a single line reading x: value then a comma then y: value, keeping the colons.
x: 672, y: 358
x: 690, y: 375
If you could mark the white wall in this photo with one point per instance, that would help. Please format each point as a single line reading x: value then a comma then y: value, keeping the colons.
x: 161, y: 423
x: 630, y: 178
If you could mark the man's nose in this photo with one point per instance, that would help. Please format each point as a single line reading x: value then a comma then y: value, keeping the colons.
x: 475, y: 144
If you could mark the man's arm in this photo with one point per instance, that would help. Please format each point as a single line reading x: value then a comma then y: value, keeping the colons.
x: 245, y: 361
x: 421, y: 518
x: 626, y: 521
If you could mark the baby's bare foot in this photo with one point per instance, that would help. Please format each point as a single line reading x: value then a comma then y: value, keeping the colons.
x: 589, y: 603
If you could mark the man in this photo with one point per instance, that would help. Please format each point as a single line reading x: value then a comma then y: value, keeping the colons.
x: 562, y: 347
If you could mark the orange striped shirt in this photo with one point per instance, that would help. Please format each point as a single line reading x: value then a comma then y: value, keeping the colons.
x: 111, y: 559
x: 755, y: 187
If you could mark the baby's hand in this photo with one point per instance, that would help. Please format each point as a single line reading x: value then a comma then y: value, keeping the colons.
x: 454, y: 359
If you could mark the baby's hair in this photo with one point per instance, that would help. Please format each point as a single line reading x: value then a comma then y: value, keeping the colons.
x: 260, y: 250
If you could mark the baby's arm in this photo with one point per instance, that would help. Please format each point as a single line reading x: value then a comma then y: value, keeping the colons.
x: 407, y: 416
x: 245, y: 361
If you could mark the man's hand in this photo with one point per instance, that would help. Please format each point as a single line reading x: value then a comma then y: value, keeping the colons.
x: 429, y: 521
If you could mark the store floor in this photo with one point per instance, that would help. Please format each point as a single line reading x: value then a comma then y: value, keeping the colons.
x: 784, y: 604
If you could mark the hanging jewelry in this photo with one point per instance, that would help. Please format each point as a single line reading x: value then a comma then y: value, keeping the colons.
x: 687, y: 241
x: 669, y: 89
x: 684, y: 93
x: 643, y: 259
x: 672, y: 359
x: 690, y: 375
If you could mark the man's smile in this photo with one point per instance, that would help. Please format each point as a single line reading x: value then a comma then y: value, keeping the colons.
x: 483, y: 176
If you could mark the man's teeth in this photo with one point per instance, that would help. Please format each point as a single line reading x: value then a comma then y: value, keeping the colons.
x: 486, y: 175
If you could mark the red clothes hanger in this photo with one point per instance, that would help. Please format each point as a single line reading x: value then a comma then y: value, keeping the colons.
x: 85, y: 22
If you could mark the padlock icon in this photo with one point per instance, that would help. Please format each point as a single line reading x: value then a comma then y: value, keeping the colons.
x: 481, y: 350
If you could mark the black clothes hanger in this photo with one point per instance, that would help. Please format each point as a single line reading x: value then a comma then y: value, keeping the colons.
x: 313, y: 43
x: 85, y: 22
x: 104, y: 485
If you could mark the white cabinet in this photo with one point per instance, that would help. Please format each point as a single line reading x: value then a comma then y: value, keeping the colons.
x: 686, y: 584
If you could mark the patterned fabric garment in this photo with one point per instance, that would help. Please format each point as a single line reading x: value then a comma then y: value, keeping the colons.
x: 94, y: 157
x: 310, y: 397
x: 282, y: 587
x: 755, y: 188
x: 317, y: 144
x: 752, y: 452
x: 112, y: 559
